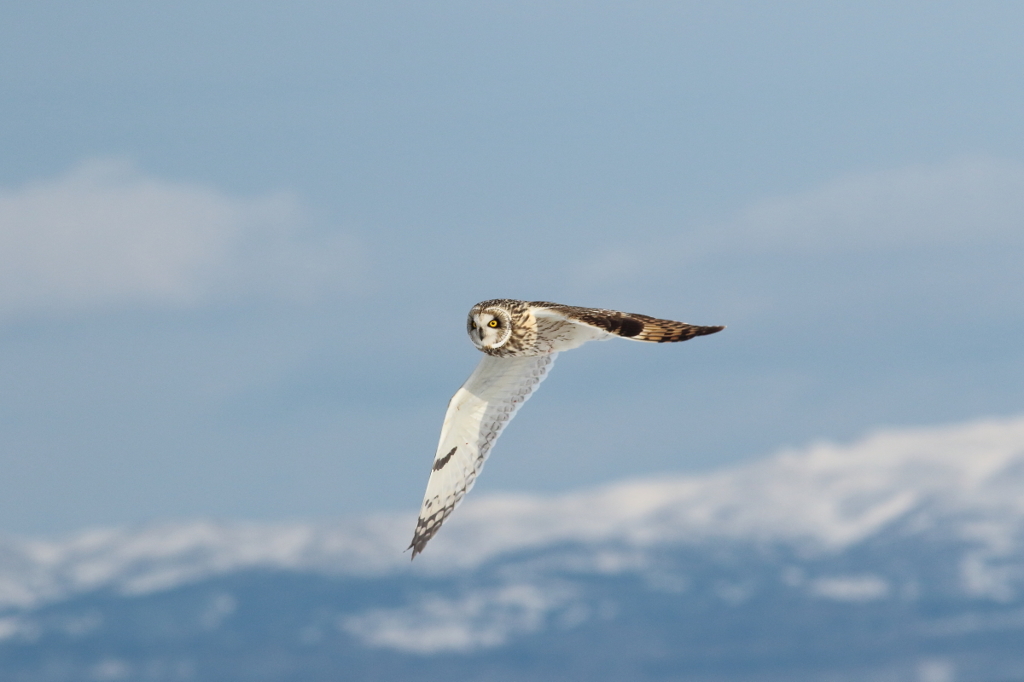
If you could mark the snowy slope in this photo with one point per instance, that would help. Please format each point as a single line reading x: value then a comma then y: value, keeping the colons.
x: 898, y: 557
x: 968, y: 479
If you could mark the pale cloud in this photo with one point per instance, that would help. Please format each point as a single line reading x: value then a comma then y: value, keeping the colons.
x: 106, y: 235
x: 967, y: 203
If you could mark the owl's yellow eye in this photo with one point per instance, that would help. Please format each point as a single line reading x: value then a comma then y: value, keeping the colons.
x: 474, y: 325
x: 492, y: 324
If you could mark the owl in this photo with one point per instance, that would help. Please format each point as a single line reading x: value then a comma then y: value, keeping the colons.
x: 520, y: 341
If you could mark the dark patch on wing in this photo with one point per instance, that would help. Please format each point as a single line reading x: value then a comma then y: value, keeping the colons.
x: 439, y: 464
x: 631, y: 325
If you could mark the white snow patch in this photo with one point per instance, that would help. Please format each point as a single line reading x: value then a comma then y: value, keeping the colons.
x: 480, y: 619
x: 936, y: 670
x: 853, y: 588
x: 9, y: 627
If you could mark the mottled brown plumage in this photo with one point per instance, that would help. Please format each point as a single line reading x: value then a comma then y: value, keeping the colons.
x: 631, y: 325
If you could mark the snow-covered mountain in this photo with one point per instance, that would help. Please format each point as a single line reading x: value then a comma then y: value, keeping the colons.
x: 900, y: 556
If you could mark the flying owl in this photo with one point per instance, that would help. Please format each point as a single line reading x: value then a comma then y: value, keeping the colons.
x: 520, y: 340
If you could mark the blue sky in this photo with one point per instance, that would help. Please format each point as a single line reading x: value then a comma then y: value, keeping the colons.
x: 238, y: 240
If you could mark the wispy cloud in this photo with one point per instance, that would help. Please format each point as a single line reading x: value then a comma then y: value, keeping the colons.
x: 106, y: 235
x: 971, y: 200
x: 968, y: 202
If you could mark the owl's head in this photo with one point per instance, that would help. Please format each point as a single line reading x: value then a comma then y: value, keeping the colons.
x: 489, y: 326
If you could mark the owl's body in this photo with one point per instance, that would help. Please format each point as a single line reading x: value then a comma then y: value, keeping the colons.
x: 521, y: 340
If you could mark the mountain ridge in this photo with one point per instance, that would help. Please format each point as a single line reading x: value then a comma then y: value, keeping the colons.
x: 822, y: 498
x: 898, y: 557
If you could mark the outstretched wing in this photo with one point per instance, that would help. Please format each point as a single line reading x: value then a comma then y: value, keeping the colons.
x: 627, y: 325
x: 476, y: 415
